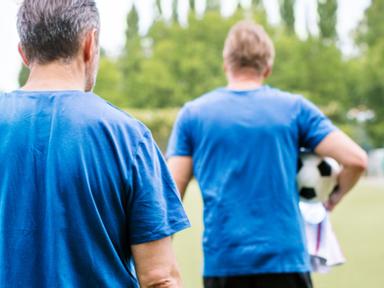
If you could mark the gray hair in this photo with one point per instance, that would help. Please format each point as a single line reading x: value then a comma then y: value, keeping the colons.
x: 51, y: 30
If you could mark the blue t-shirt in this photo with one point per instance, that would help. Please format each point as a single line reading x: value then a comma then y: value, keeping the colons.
x: 245, y: 148
x: 81, y: 182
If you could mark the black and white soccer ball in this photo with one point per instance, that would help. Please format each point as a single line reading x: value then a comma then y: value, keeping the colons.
x: 316, y: 177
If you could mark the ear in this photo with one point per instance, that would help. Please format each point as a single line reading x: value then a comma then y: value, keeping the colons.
x: 22, y: 54
x: 90, y: 45
x: 267, y: 73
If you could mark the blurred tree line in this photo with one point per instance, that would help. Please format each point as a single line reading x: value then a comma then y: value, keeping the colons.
x: 173, y: 64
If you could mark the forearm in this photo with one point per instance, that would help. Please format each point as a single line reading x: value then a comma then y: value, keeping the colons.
x: 348, y: 178
x: 156, y: 265
x: 353, y: 159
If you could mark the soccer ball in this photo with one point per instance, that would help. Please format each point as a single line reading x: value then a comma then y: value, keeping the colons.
x: 316, y: 177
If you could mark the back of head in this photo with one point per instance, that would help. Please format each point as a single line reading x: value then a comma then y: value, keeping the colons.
x: 52, y: 30
x: 248, y: 46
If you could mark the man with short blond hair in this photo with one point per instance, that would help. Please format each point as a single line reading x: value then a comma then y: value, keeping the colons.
x: 248, y: 46
x: 242, y: 143
x: 86, y: 199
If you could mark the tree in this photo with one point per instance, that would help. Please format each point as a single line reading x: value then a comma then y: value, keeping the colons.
x: 314, y: 70
x: 288, y: 14
x: 130, y: 62
x: 371, y: 30
x: 186, y: 62
x: 370, y: 37
x: 183, y: 64
x: 23, y: 75
x: 174, y: 10
x: 373, y: 89
x: 109, y: 81
x: 327, y: 10
x: 133, y: 23
x: 256, y: 3
x: 213, y: 4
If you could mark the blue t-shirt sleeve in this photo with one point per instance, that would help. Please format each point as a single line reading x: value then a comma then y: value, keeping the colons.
x: 180, y: 143
x: 314, y: 126
x: 155, y: 210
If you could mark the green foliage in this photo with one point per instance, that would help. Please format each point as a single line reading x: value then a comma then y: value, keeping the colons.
x: 159, y: 121
x: 23, y: 75
x: 213, y: 4
x: 319, y: 76
x: 370, y: 37
x: 192, y: 4
x: 288, y: 14
x: 374, y: 89
x: 371, y: 29
x: 109, y: 81
x: 133, y: 23
x: 172, y: 64
x: 327, y: 10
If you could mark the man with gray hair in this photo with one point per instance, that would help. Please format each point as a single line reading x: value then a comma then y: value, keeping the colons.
x: 86, y: 199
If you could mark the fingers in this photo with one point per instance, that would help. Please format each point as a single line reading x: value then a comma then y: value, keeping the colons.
x: 333, y: 200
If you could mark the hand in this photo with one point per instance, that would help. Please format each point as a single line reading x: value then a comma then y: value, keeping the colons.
x: 333, y: 199
x: 352, y: 158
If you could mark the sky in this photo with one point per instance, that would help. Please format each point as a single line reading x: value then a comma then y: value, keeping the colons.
x: 113, y: 23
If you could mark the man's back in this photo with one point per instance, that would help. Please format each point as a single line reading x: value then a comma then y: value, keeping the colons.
x: 74, y: 191
x: 245, y: 147
x: 242, y: 143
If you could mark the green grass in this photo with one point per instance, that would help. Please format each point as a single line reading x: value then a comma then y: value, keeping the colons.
x: 358, y: 223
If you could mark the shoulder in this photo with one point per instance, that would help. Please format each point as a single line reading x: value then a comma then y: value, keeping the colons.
x: 202, y: 103
x: 205, y: 99
x: 100, y: 116
x: 283, y: 95
x: 291, y: 103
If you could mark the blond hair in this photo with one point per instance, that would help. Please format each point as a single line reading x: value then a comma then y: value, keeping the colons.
x: 248, y: 46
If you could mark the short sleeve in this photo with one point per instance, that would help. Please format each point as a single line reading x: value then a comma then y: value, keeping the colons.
x: 314, y: 126
x: 180, y: 143
x: 155, y: 210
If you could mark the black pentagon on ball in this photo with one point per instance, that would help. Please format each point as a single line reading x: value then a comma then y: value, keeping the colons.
x: 308, y: 193
x: 299, y: 164
x: 325, y: 169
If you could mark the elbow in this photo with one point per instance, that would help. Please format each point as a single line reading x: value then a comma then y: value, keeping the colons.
x: 359, y: 162
x: 162, y: 279
x: 163, y: 283
x: 362, y: 163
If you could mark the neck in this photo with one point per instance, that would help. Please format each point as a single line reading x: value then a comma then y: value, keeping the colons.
x: 55, y: 77
x: 244, y: 81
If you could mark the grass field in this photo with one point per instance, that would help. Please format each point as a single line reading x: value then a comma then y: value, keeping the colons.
x: 358, y: 223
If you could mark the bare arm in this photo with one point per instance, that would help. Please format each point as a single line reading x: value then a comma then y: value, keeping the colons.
x: 182, y: 171
x: 353, y: 159
x: 156, y: 265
